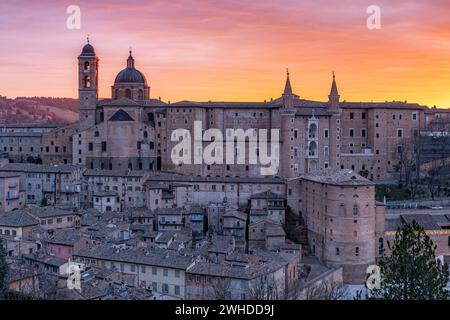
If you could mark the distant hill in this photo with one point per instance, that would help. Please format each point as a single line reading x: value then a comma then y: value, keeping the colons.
x: 38, y: 110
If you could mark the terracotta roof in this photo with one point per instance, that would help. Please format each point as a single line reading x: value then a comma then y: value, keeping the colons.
x: 42, y: 168
x: 152, y: 257
x: 48, y: 212
x: 65, y: 236
x: 273, y: 229
x: 17, y: 218
x: 171, y: 176
x: 114, y: 173
x: 232, y: 213
x: 342, y: 177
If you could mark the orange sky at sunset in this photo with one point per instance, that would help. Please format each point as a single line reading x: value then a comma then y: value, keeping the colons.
x: 233, y: 50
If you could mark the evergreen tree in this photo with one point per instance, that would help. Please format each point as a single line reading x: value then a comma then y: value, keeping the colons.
x: 3, y: 271
x: 411, y: 271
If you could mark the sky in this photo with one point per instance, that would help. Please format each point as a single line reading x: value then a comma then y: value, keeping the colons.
x: 233, y: 50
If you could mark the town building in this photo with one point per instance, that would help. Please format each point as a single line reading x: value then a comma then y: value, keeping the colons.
x: 49, y: 184
x: 342, y: 219
x: 161, y: 270
x: 12, y: 193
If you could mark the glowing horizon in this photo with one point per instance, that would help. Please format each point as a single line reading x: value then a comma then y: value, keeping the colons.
x: 233, y: 51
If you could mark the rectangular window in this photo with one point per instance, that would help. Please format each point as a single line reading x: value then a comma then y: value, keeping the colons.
x: 154, y: 270
x: 325, y: 151
x: 103, y: 146
x: 352, y: 132
x: 363, y: 132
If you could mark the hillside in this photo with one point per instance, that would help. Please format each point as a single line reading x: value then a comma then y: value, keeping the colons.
x: 38, y: 110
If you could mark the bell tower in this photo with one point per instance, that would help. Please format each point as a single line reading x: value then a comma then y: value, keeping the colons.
x: 87, y: 86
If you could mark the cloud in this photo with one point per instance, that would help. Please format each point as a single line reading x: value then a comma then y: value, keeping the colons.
x: 242, y: 46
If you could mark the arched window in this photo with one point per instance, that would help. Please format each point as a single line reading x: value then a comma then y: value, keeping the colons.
x: 151, y: 117
x: 312, y: 149
x: 145, y: 134
x: 128, y: 93
x: 312, y: 131
x: 87, y: 81
x: 140, y: 95
x: 87, y: 66
x: 97, y: 133
x: 355, y: 210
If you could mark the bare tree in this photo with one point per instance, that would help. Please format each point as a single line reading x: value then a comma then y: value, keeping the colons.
x: 409, y: 164
x: 434, y: 180
x: 325, y: 290
x: 220, y: 289
x: 266, y: 288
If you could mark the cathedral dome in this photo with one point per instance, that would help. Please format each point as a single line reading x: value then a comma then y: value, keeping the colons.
x: 130, y: 74
x: 88, y: 50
